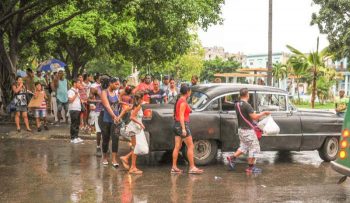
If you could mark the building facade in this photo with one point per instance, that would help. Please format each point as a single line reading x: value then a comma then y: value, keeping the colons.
x: 219, y: 52
x: 260, y: 60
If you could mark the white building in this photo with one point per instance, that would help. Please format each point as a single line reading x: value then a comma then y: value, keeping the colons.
x: 219, y: 52
x: 260, y: 60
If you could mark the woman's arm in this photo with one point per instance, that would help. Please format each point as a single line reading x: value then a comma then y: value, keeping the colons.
x: 16, y: 89
x: 182, y: 118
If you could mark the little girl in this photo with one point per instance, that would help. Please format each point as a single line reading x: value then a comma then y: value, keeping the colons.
x: 40, y: 112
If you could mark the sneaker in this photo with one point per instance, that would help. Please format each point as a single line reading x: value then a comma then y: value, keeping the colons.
x: 231, y: 162
x: 72, y: 141
x: 98, y: 151
x: 79, y: 139
x: 39, y: 129
x: 45, y: 127
x: 253, y: 170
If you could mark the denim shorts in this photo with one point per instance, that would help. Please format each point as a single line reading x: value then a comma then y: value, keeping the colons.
x: 178, y: 129
x: 40, y: 113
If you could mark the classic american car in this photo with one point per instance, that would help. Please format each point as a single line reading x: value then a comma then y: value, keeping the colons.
x: 214, y: 123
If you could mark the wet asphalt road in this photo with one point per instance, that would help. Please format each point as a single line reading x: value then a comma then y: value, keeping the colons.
x: 57, y: 171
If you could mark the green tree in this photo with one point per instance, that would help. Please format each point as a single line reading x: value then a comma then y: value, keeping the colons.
x: 279, y: 72
x: 298, y: 67
x: 17, y: 32
x: 333, y: 20
x: 218, y: 65
x: 313, y: 63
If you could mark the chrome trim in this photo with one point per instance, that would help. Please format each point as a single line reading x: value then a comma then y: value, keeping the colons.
x: 322, y: 134
x: 340, y: 168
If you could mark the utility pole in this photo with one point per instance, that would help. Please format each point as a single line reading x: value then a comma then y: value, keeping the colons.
x: 269, y: 58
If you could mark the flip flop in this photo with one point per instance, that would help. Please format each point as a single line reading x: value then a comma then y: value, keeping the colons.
x: 125, y: 164
x: 116, y: 165
x: 195, y: 171
x: 175, y: 171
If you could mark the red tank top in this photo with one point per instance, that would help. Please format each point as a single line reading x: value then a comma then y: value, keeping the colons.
x: 187, y: 110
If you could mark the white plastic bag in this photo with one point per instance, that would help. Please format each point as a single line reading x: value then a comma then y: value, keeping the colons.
x: 141, y: 147
x: 269, y: 126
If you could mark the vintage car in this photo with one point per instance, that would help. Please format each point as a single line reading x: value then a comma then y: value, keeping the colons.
x: 214, y: 123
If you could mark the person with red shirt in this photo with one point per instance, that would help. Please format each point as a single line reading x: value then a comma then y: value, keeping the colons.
x: 182, y: 131
x: 146, y: 86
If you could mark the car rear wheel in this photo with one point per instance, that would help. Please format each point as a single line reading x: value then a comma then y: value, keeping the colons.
x: 329, y: 150
x: 204, y: 151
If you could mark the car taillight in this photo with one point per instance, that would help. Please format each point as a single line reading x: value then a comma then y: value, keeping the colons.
x: 345, y: 133
x: 342, y: 154
x: 147, y: 114
x: 344, y: 144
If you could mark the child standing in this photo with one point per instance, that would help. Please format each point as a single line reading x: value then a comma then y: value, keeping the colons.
x: 40, y: 112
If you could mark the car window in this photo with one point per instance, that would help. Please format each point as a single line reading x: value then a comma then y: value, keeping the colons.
x: 271, y: 102
x: 197, y: 100
x: 228, y: 101
x: 213, y: 106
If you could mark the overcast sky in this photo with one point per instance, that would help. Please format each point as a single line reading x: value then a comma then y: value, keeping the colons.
x: 246, y: 22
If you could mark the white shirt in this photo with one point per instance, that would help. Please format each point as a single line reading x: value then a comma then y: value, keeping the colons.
x: 75, y: 105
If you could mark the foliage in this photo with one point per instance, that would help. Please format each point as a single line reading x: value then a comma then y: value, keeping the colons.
x: 218, y: 65
x: 333, y: 20
x: 279, y: 72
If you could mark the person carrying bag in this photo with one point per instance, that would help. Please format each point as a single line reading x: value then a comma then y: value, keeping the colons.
x: 248, y: 133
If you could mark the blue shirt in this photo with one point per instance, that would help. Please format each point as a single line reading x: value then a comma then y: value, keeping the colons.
x: 114, y: 103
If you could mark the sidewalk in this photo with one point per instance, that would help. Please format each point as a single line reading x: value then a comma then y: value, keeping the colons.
x: 8, y: 130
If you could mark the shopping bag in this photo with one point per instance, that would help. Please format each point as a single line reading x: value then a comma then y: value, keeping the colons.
x: 269, y: 126
x: 141, y: 147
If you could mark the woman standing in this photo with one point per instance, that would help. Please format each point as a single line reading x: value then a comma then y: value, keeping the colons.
x: 182, y: 131
x: 173, y: 91
x: 20, y: 98
x: 107, y: 119
x: 134, y: 127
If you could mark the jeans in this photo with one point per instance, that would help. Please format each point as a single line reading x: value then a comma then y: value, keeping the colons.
x: 75, y: 122
x: 109, y: 130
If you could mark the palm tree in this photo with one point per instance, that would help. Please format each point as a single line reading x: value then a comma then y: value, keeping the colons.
x: 315, y: 61
x: 279, y: 72
x: 298, y: 68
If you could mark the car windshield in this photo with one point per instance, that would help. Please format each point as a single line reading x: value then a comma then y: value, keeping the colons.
x: 197, y: 100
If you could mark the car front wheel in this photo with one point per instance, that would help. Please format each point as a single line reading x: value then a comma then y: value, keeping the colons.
x: 329, y: 150
x: 204, y: 151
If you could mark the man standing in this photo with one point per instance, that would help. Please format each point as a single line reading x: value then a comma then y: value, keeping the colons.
x: 146, y: 86
x: 166, y: 86
x: 341, y: 104
x: 248, y: 139
x: 61, y: 86
x: 194, y: 80
x: 157, y: 95
x: 74, y: 111
x: 29, y: 81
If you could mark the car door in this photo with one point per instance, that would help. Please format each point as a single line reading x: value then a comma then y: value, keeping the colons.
x: 228, y: 120
x: 290, y: 135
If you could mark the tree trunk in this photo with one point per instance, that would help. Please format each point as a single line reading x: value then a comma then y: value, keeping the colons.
x: 313, y: 88
x: 269, y: 62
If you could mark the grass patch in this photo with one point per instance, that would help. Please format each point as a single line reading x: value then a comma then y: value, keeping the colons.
x: 329, y: 105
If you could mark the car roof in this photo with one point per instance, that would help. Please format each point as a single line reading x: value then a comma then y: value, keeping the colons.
x: 216, y: 89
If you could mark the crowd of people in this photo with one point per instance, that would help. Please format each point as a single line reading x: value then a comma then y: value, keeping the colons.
x: 99, y: 104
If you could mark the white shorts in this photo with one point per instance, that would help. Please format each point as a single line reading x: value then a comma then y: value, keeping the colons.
x: 93, y: 120
x: 249, y: 143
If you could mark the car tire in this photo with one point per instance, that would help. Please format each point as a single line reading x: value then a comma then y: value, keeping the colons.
x: 204, y: 151
x: 329, y: 150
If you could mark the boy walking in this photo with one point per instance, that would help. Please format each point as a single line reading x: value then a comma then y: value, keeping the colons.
x: 74, y: 111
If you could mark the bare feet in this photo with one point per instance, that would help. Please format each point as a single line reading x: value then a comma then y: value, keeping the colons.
x: 125, y: 162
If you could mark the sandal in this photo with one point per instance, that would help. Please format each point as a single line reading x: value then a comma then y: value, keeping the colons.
x: 125, y: 163
x: 175, y: 171
x: 105, y: 163
x: 116, y: 165
x: 29, y: 130
x: 19, y: 130
x: 137, y: 171
x: 195, y: 171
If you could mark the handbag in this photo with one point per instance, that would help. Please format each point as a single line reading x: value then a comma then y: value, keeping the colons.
x: 257, y: 130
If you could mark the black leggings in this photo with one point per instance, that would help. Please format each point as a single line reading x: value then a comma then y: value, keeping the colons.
x: 109, y: 130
